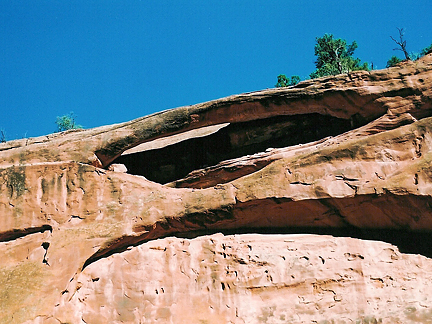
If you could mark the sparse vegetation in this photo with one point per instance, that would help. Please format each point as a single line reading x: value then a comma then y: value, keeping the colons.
x: 67, y: 122
x: 283, y: 81
x: 412, y: 56
x: 402, y: 44
x: 393, y: 61
x: 334, y: 57
x: 426, y: 50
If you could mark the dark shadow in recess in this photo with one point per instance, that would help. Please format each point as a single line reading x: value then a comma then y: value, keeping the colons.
x: 175, y: 161
x: 411, y: 242
x: 17, y: 233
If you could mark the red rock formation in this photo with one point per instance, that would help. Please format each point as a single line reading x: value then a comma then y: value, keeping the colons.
x: 82, y: 242
x: 253, y: 279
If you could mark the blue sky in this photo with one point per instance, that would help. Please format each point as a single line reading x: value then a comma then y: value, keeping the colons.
x: 112, y: 61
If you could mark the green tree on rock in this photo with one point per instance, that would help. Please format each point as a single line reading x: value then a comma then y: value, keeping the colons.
x: 393, y: 61
x: 283, y: 81
x: 334, y: 57
x: 67, y: 122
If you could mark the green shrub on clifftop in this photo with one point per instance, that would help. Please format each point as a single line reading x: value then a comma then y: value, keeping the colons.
x: 283, y: 81
x: 335, y: 56
x: 393, y: 61
x: 67, y: 122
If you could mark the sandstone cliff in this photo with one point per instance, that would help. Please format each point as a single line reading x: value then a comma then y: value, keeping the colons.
x: 348, y: 155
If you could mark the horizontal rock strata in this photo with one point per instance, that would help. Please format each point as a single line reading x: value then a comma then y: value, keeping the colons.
x: 116, y: 224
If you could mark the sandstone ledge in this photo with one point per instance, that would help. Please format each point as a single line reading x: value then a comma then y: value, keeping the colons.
x: 82, y: 242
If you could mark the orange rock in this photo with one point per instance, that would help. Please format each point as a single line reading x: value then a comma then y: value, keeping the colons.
x: 81, y: 240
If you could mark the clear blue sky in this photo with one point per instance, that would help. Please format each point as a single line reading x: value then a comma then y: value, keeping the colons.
x: 112, y: 61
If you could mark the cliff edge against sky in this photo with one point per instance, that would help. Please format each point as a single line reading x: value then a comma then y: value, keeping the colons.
x: 119, y: 223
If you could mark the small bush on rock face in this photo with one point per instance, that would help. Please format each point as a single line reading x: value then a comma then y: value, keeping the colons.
x: 393, y: 61
x: 426, y: 50
x: 67, y: 122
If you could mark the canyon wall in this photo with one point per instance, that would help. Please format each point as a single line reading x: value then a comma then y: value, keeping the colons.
x: 306, y: 204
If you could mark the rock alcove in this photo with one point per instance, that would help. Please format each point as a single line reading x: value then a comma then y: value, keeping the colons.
x: 202, y: 148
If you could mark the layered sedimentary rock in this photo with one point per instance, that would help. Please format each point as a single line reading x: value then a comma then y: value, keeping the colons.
x: 253, y: 279
x: 94, y: 223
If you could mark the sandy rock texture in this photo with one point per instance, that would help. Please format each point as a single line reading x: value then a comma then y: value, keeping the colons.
x: 253, y: 279
x: 117, y: 224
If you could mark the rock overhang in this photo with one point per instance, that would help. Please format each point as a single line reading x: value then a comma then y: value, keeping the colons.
x: 372, y: 173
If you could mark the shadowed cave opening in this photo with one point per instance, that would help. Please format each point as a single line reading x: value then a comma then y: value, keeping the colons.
x: 175, y: 161
x: 387, y: 217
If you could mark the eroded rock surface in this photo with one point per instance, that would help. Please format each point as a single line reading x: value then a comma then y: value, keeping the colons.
x: 86, y: 215
x: 253, y: 279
